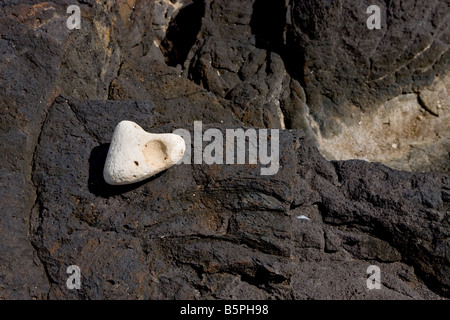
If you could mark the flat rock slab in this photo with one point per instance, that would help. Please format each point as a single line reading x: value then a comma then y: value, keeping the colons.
x: 212, y: 231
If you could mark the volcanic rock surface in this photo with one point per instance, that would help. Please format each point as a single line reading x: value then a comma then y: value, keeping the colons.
x: 309, y: 68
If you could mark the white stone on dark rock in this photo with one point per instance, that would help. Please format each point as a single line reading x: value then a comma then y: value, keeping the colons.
x: 136, y: 155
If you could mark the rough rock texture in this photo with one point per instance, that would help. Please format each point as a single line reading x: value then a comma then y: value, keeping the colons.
x: 215, y: 231
x: 200, y: 231
x: 351, y: 74
x: 30, y: 57
x: 347, y: 65
x: 314, y: 65
x: 402, y: 133
x: 231, y: 60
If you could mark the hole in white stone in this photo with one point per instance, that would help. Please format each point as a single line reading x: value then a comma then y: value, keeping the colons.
x: 155, y: 152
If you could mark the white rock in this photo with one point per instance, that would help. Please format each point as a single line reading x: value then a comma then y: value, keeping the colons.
x: 136, y: 155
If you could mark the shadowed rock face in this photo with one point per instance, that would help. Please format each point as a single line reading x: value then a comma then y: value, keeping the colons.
x: 314, y: 65
x: 209, y: 231
x: 363, y: 87
x: 347, y: 65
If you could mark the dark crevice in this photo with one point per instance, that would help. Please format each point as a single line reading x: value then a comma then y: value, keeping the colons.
x: 182, y: 33
x: 425, y: 107
x: 83, y: 124
x: 38, y: 205
x: 294, y: 205
x: 337, y: 171
x: 273, y: 32
x: 263, y: 277
x: 37, y: 202
x: 110, y: 85
x: 268, y: 25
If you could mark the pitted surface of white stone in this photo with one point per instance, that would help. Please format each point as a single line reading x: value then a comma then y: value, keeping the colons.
x: 136, y: 155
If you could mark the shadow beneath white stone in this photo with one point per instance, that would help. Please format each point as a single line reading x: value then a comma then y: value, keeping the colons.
x: 97, y: 184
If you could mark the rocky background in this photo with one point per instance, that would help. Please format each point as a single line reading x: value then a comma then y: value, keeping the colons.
x: 338, y: 90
